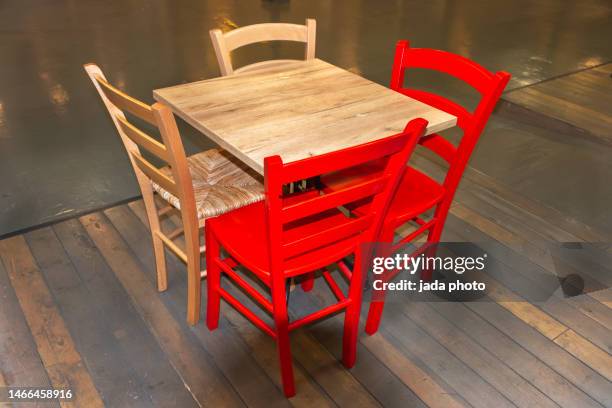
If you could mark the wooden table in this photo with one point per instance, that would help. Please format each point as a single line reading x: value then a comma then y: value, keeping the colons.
x: 296, y: 111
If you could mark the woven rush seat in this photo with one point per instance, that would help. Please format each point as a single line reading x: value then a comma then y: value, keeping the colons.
x: 220, y: 184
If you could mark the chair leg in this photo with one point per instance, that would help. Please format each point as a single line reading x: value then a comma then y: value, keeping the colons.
x: 194, y: 280
x: 158, y: 245
x: 374, y: 316
x: 351, y: 318
x: 284, y: 354
x: 308, y: 282
x: 377, y: 306
x: 433, y: 239
x: 281, y: 321
x: 160, y: 263
x: 213, y: 281
x: 194, y: 293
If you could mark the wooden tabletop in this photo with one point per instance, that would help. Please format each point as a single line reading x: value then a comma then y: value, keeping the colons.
x: 296, y: 110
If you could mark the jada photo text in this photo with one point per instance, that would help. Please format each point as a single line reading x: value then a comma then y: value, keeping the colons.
x: 429, y: 270
x: 470, y: 271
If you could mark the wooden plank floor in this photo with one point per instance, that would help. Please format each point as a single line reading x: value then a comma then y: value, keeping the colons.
x: 80, y: 310
x: 583, y: 100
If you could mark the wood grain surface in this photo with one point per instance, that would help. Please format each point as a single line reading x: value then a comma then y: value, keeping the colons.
x: 309, y: 109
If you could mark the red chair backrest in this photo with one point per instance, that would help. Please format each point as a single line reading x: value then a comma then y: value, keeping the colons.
x: 489, y: 85
x: 286, y: 211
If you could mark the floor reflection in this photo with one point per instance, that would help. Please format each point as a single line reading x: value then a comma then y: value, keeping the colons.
x: 57, y: 146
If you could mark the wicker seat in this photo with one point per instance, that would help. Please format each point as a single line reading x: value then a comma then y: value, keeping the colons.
x: 220, y: 184
x: 201, y: 186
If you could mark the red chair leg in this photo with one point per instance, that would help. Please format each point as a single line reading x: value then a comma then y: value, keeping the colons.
x: 213, y: 281
x: 351, y: 319
x: 284, y: 353
x: 433, y: 238
x: 426, y: 272
x: 377, y: 305
x: 281, y: 321
x: 374, y: 316
x: 308, y: 282
x: 349, y: 340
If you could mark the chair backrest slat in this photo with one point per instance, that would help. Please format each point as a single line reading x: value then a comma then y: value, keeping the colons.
x: 335, y: 199
x: 125, y: 102
x: 327, y: 236
x: 464, y: 117
x: 288, y: 213
x: 154, y: 174
x: 143, y: 140
x: 225, y: 43
x: 451, y: 64
x: 441, y: 146
x: 265, y: 32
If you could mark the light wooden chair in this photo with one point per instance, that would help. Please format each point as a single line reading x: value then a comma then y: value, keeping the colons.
x: 225, y: 43
x: 204, y: 185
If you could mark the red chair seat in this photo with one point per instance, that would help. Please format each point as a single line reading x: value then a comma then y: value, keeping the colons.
x: 243, y: 233
x: 415, y: 194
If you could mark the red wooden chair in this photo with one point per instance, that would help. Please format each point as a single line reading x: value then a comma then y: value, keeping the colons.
x: 292, y: 235
x: 418, y: 193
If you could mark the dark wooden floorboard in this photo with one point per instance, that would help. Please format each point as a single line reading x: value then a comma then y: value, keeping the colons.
x: 564, y: 313
x: 265, y: 353
x: 20, y: 364
x: 523, y: 228
x: 519, y: 271
x: 55, y: 345
x: 396, y: 341
x: 371, y: 372
x: 387, y: 388
x: 201, y: 376
x: 575, y: 313
x: 503, y: 346
x: 582, y: 99
x: 372, y: 375
x: 515, y: 229
x: 495, y: 371
x: 143, y: 354
x: 594, y: 386
x: 432, y: 390
x: 548, y: 218
x: 541, y: 252
x: 594, y: 309
x: 229, y: 355
x: 472, y: 387
x: 422, y: 381
x: 116, y: 382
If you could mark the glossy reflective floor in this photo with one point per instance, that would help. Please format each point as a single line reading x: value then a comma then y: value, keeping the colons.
x: 59, y: 155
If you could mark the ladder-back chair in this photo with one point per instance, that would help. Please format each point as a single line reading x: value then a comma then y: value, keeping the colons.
x: 225, y: 43
x: 200, y: 186
x: 417, y: 192
x: 295, y: 234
